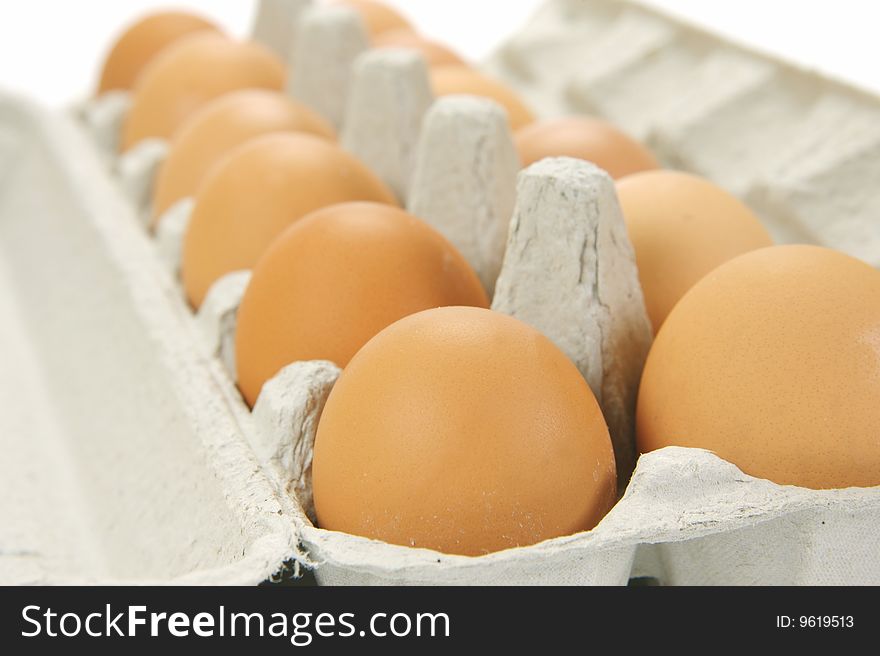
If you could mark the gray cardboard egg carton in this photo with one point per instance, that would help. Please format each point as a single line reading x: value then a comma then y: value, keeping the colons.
x: 133, y: 456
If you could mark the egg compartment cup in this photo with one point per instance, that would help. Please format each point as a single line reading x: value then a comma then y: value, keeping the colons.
x: 687, y: 516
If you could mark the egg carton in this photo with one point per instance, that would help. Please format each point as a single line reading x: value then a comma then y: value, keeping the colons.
x: 147, y: 448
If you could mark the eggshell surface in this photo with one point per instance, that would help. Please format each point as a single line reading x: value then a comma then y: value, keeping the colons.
x: 141, y: 42
x: 465, y: 431
x: 455, y: 80
x: 338, y: 277
x: 257, y: 191
x: 772, y: 361
x: 435, y: 54
x: 681, y: 227
x: 587, y: 138
x: 190, y: 73
x: 220, y: 126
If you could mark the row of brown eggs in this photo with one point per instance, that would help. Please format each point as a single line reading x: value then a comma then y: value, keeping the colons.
x: 458, y: 428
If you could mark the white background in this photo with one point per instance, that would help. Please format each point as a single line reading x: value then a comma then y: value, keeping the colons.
x: 51, y: 50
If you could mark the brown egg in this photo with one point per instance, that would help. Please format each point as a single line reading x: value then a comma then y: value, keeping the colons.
x: 772, y: 361
x: 436, y: 54
x: 190, y: 73
x: 378, y: 17
x: 338, y: 277
x: 584, y: 137
x: 449, y: 80
x: 681, y: 227
x: 141, y: 42
x: 257, y: 191
x: 465, y: 431
x: 219, y: 127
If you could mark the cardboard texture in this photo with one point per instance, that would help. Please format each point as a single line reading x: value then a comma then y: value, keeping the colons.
x: 123, y: 457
